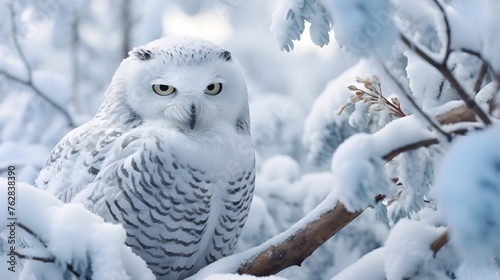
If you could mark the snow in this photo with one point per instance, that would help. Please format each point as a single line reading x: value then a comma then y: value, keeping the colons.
x: 231, y: 263
x: 284, y: 87
x: 368, y: 267
x: 363, y: 27
x: 468, y: 188
x: 481, y: 34
x: 73, y: 235
x: 358, y: 166
x: 407, y: 248
x: 359, y: 175
x: 281, y: 167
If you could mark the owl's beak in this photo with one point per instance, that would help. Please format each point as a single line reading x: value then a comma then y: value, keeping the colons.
x: 192, y: 117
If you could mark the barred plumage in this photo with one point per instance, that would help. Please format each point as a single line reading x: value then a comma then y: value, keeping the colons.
x: 179, y: 180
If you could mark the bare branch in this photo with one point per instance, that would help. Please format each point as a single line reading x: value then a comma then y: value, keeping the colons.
x: 35, y: 258
x: 41, y: 94
x: 29, y: 81
x: 414, y: 104
x: 480, y: 77
x: 448, y: 32
x: 470, y: 102
x: 413, y: 146
x: 480, y: 57
x: 15, y: 39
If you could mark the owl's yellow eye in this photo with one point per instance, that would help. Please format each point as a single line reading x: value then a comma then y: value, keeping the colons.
x: 213, y: 89
x: 163, y: 90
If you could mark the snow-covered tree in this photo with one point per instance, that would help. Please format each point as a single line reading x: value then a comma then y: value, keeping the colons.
x: 391, y: 172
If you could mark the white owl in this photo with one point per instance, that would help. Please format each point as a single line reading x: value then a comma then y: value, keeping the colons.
x: 168, y: 155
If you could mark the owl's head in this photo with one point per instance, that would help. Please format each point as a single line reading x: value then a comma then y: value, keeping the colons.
x: 187, y: 82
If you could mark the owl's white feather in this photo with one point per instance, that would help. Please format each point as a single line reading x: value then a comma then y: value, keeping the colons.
x: 177, y: 171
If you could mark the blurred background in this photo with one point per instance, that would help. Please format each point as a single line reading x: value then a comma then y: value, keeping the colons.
x: 57, y: 58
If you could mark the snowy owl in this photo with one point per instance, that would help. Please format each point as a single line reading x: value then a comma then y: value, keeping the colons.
x: 168, y: 155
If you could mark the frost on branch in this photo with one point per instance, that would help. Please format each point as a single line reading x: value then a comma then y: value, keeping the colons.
x: 69, y: 238
x: 359, y: 172
x: 468, y: 187
x: 414, y: 171
x: 358, y: 166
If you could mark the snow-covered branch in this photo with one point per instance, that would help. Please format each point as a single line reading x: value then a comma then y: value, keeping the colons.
x: 67, y: 236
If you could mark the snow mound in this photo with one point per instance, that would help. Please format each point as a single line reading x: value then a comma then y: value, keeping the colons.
x: 468, y: 188
x: 407, y: 248
x: 73, y: 236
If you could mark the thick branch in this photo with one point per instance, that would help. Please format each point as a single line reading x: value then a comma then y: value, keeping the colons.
x: 302, y: 244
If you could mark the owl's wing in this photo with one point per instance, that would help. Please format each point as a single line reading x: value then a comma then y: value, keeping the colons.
x: 157, y: 198
x: 76, y: 160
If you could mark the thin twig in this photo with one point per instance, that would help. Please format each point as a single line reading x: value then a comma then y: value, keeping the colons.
x: 29, y: 81
x: 484, y: 60
x: 15, y: 39
x: 480, y: 77
x: 448, y: 32
x: 414, y: 104
x: 69, y: 267
x: 41, y: 94
x: 35, y: 258
x: 470, y: 102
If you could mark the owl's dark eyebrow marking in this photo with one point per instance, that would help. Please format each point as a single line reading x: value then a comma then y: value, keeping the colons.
x: 226, y: 55
x: 142, y: 54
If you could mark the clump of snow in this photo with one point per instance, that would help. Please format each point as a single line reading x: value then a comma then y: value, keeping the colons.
x: 73, y: 236
x: 407, y: 248
x: 281, y: 167
x: 358, y: 166
x: 323, y: 129
x: 415, y: 172
x: 359, y: 174
x: 468, y: 188
x: 363, y: 27
x: 368, y: 267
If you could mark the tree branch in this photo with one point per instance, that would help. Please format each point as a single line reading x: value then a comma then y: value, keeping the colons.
x: 29, y: 81
x: 480, y: 77
x: 302, y: 243
x: 296, y: 248
x: 448, y: 32
x: 414, y: 104
x: 69, y: 267
x: 471, y: 103
x: 439, y: 242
